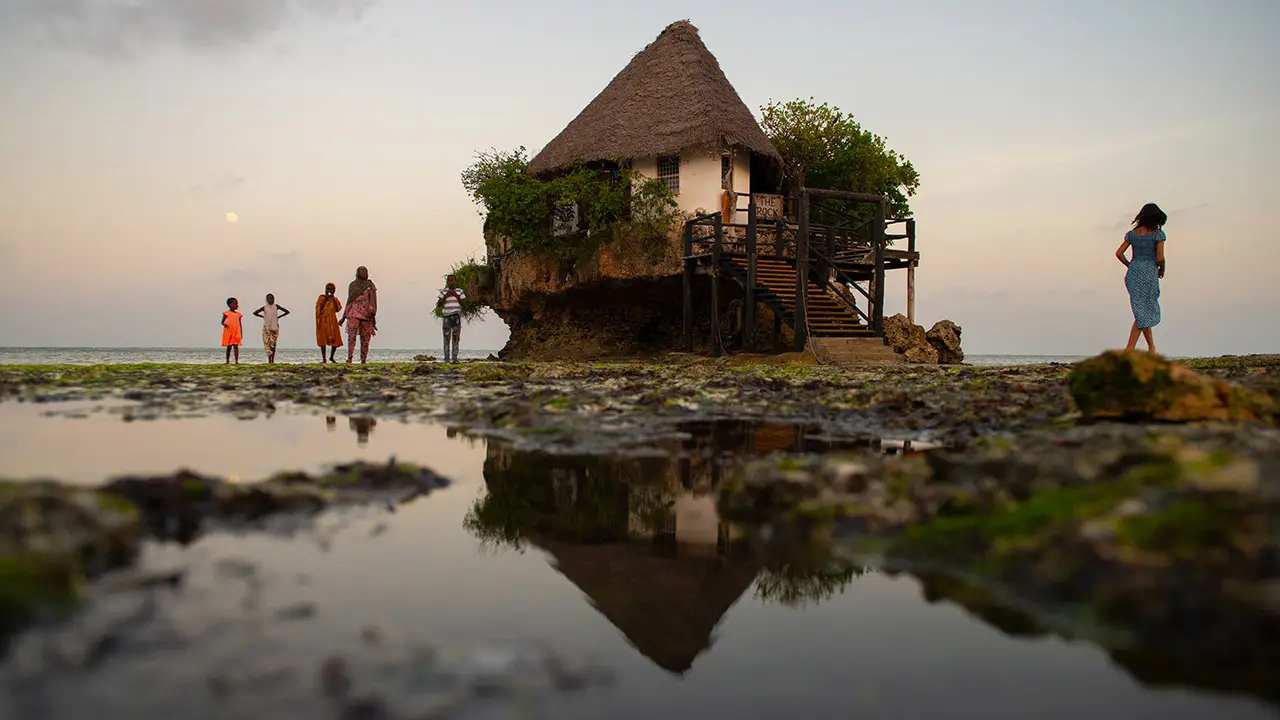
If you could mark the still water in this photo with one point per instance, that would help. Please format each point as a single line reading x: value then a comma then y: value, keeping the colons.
x: 548, y: 548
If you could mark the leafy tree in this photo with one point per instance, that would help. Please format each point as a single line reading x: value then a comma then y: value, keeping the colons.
x: 823, y: 147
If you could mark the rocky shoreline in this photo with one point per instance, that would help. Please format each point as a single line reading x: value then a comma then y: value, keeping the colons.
x: 1125, y: 500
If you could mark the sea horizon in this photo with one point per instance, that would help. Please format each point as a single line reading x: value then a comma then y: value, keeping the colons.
x: 196, y: 355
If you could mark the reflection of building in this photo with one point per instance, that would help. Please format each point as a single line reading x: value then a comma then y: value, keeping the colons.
x: 598, y: 519
x: 642, y: 538
x: 667, y: 607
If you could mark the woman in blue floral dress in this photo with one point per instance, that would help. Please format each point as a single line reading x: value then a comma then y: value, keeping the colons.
x: 1146, y: 269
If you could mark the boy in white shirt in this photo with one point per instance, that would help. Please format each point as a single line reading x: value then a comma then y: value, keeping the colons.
x: 450, y: 305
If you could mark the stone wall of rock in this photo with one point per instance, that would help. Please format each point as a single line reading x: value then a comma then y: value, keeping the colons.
x: 940, y: 345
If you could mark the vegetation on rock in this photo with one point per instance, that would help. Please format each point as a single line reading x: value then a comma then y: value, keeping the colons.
x: 471, y: 276
x: 611, y: 204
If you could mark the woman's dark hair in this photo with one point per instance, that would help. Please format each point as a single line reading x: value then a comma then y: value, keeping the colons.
x: 1150, y: 217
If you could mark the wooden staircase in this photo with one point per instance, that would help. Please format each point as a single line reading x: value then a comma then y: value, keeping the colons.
x: 828, y: 316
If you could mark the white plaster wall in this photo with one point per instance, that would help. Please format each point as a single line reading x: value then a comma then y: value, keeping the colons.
x: 699, y: 177
x: 697, y: 521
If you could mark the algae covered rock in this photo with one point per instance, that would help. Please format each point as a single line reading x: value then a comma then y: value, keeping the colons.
x: 52, y: 538
x: 1163, y: 535
x: 944, y: 336
x: 1144, y: 386
x: 184, y: 500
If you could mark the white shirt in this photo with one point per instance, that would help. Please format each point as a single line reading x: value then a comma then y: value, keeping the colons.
x: 270, y: 317
x: 452, y: 305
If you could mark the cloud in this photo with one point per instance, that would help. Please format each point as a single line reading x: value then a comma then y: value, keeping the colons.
x: 120, y: 29
x: 220, y: 186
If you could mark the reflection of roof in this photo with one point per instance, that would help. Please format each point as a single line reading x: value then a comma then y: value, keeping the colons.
x: 668, y: 607
x: 670, y: 97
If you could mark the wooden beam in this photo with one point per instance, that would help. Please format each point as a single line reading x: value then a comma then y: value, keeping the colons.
x: 798, y: 326
x: 877, y: 238
x: 911, y: 273
x: 687, y: 300
x: 717, y: 349
x: 843, y: 195
x: 749, y: 304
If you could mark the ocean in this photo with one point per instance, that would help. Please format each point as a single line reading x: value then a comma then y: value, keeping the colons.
x: 204, y: 356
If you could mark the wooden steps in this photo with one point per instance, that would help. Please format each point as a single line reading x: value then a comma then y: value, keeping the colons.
x: 827, y: 316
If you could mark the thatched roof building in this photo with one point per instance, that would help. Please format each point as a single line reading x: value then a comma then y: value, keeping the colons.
x: 671, y: 113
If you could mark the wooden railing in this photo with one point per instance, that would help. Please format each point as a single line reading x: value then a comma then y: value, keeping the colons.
x: 820, y: 249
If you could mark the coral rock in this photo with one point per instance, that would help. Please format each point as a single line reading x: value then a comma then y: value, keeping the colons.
x: 945, y: 336
x: 1143, y: 386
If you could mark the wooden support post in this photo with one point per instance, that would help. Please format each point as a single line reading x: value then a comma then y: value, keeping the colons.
x: 688, y: 288
x: 749, y: 304
x: 717, y: 246
x: 911, y: 273
x: 798, y: 327
x: 877, y: 237
x: 780, y: 232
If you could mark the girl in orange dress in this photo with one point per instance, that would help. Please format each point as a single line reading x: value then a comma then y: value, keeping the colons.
x: 328, y: 334
x: 232, y: 334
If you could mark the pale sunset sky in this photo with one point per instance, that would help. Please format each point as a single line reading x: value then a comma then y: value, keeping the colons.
x: 336, y: 131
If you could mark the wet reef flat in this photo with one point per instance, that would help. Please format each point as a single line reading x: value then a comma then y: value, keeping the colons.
x: 608, y: 404
x: 1150, y: 524
x: 1126, y: 500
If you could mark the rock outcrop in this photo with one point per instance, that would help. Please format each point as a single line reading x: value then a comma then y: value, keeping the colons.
x: 940, y: 345
x: 945, y: 337
x: 624, y: 300
x: 1143, y: 386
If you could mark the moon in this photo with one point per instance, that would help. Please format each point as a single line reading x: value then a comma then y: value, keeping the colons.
x: 232, y: 218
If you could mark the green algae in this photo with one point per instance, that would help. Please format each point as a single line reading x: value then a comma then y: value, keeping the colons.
x: 958, y: 530
x: 113, y: 503
x: 31, y: 581
x: 1185, y: 527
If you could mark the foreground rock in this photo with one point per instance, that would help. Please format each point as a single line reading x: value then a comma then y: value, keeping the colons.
x: 1162, y: 537
x: 1143, y: 386
x: 53, y: 537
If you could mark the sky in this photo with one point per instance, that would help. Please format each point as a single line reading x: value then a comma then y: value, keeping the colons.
x: 336, y: 131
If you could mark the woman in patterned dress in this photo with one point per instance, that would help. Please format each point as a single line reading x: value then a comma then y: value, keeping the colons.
x: 361, y: 314
x: 1145, y: 270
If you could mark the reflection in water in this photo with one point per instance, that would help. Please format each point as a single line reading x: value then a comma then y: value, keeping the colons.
x: 362, y: 427
x: 642, y: 539
x: 663, y: 570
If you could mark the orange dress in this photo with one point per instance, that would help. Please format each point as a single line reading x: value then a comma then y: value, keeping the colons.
x: 231, y: 334
x: 328, y: 334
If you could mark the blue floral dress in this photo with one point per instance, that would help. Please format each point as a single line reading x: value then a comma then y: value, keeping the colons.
x: 1142, y: 279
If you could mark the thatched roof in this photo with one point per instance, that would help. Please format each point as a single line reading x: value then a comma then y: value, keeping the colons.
x: 667, y: 607
x: 672, y: 96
